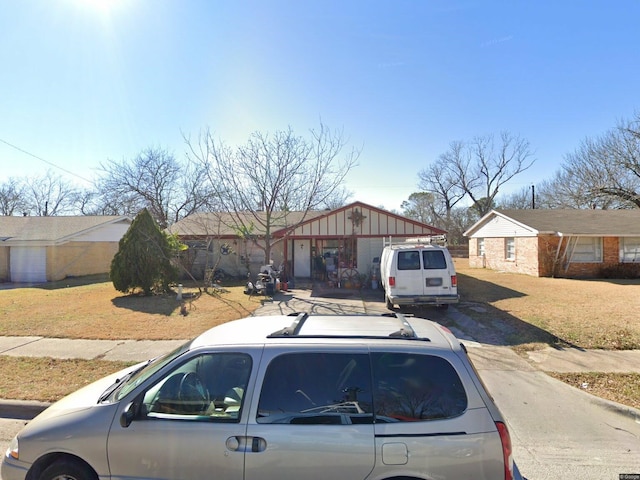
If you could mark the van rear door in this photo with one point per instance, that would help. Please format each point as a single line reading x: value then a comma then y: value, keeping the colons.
x: 408, y: 276
x: 437, y: 274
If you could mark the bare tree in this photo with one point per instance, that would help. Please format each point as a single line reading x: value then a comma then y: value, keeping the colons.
x: 441, y: 180
x: 50, y: 195
x: 269, y: 176
x: 12, y: 197
x: 520, y: 200
x: 154, y: 180
x: 421, y: 207
x: 603, y: 172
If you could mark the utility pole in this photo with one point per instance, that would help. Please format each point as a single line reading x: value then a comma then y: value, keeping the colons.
x: 533, y: 197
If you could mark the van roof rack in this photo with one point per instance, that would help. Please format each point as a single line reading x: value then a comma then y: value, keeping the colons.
x: 404, y: 331
x: 440, y: 240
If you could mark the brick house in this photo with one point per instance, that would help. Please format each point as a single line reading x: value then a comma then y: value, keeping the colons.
x: 44, y: 249
x: 562, y: 243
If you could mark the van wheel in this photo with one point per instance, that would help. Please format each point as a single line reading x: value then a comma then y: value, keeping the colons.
x: 68, y: 470
x: 389, y: 304
x: 442, y: 307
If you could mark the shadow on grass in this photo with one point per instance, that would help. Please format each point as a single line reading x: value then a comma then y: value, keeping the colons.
x: 153, y: 304
x: 472, y: 289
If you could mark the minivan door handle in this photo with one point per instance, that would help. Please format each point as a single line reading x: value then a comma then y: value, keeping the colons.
x: 246, y: 444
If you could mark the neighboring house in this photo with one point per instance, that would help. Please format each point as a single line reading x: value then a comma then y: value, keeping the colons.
x: 563, y: 243
x: 44, y: 249
x: 317, y: 244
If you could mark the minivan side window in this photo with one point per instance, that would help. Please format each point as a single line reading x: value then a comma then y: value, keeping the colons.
x: 317, y: 388
x: 408, y: 260
x: 433, y: 260
x: 208, y: 387
x: 411, y: 387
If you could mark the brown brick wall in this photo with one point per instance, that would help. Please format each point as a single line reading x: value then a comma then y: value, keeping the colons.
x: 76, y: 259
x: 537, y: 257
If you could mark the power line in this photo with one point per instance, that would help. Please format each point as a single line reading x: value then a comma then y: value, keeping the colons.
x: 45, y: 161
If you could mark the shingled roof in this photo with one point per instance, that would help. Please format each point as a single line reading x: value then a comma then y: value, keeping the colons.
x: 615, y: 223
x: 55, y: 229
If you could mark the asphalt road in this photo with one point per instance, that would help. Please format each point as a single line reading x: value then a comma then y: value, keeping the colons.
x: 558, y: 432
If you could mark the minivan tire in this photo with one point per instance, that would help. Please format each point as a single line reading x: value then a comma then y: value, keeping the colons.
x: 68, y: 470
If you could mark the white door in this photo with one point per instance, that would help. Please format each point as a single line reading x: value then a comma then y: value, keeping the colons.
x: 28, y: 264
x: 302, y: 258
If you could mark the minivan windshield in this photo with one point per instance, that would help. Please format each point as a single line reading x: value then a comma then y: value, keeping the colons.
x: 152, y: 367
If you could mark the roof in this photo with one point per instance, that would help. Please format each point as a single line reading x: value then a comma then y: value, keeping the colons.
x: 54, y: 229
x: 303, y: 328
x: 222, y: 224
x: 615, y: 223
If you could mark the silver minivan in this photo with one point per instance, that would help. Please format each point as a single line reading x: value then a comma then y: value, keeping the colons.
x: 280, y: 397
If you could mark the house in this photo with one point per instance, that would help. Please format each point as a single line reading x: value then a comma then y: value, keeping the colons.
x: 43, y: 249
x: 333, y: 243
x: 564, y: 243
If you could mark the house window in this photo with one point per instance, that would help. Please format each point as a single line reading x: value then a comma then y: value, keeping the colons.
x: 587, y: 250
x: 480, y: 247
x: 630, y: 250
x: 510, y: 248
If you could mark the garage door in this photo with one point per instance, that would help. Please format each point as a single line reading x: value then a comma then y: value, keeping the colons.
x: 28, y: 264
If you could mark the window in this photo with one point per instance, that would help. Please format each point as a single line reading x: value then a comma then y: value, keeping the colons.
x: 480, y: 247
x: 207, y: 387
x: 587, y: 249
x: 630, y: 250
x: 317, y: 388
x: 410, y: 387
x: 510, y: 248
x: 409, y: 260
x: 433, y: 260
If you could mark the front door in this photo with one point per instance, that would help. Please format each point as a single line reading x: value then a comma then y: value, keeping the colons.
x: 302, y: 258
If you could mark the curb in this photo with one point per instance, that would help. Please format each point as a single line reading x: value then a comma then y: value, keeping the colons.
x: 21, y: 409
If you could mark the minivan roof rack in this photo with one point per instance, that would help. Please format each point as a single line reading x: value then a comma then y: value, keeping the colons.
x: 404, y: 331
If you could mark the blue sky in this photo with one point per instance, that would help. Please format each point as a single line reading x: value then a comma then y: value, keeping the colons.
x: 84, y: 81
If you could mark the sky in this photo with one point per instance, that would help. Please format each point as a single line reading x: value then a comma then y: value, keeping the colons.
x: 86, y: 81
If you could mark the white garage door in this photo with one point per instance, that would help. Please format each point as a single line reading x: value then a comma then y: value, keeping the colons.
x: 28, y: 264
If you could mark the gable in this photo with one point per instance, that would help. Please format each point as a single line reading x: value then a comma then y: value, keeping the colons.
x: 362, y: 220
x: 499, y: 226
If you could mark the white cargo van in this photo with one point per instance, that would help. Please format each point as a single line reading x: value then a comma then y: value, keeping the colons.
x: 417, y: 272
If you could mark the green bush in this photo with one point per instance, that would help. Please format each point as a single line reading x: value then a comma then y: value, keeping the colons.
x: 143, y: 259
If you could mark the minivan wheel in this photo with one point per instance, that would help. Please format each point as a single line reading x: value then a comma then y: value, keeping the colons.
x: 68, y: 470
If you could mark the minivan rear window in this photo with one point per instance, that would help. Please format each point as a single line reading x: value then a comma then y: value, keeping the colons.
x: 410, y: 387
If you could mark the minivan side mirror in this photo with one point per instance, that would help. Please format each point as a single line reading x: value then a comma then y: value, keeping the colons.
x: 128, y: 414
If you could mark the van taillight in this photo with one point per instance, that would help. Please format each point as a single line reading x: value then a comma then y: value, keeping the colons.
x: 392, y: 281
x: 454, y: 281
x: 505, y: 439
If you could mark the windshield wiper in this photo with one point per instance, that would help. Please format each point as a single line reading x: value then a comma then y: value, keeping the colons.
x: 120, y: 381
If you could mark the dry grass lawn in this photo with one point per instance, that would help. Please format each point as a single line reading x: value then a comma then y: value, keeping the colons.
x: 584, y: 313
x: 98, y: 311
